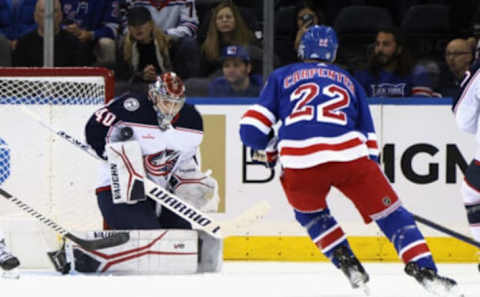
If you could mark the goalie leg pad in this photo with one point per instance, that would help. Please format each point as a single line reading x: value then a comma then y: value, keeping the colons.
x: 147, y: 252
x: 126, y: 171
x: 210, y: 252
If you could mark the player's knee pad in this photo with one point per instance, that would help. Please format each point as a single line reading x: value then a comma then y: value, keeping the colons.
x: 473, y: 213
x: 323, y: 229
x: 400, y: 228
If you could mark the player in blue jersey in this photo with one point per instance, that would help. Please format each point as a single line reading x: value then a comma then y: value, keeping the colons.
x: 169, y: 133
x: 327, y: 139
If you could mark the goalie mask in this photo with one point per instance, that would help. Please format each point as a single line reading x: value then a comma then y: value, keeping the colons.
x: 168, y: 96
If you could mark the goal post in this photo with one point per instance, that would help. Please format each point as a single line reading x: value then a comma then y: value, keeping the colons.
x: 51, y: 177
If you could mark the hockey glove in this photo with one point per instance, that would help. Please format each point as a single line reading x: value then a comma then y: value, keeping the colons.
x: 269, y: 156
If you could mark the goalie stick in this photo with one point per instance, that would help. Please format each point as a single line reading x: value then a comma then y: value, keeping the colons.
x: 94, y: 244
x: 445, y: 230
x: 152, y: 190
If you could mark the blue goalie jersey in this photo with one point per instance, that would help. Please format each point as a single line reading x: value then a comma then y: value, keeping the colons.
x: 323, y: 112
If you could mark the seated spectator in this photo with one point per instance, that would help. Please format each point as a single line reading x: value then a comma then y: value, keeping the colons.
x: 144, y: 52
x: 236, y: 80
x: 226, y: 27
x: 95, y: 24
x: 16, y: 20
x: 390, y: 71
x: 306, y: 17
x: 178, y: 19
x: 67, y: 48
x: 458, y: 56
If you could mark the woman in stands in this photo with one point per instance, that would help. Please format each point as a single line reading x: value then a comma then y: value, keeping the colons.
x: 226, y: 27
x: 145, y: 52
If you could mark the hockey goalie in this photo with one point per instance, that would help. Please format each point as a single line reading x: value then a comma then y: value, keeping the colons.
x: 155, y: 136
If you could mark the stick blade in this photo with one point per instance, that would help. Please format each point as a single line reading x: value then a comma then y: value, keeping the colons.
x: 101, y: 243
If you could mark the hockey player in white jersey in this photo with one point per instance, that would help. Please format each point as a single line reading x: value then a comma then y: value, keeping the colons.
x: 466, y: 108
x: 169, y: 133
x: 155, y: 136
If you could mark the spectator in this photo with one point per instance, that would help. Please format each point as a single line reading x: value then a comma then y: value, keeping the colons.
x: 459, y: 57
x: 290, y: 24
x: 95, y: 23
x: 307, y: 16
x: 236, y: 80
x: 178, y: 19
x: 226, y: 27
x: 67, y: 48
x: 391, y: 71
x: 16, y: 19
x: 144, y: 50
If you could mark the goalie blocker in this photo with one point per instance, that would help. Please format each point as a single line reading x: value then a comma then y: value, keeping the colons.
x: 165, y: 251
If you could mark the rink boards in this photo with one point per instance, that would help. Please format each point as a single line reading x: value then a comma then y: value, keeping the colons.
x: 422, y: 147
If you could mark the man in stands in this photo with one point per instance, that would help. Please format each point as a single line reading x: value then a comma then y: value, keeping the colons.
x: 16, y: 20
x: 459, y: 56
x: 327, y: 139
x: 391, y: 72
x: 236, y: 80
x: 95, y: 23
x: 67, y: 48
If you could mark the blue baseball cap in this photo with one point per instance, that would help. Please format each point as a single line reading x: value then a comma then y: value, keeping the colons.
x: 235, y: 51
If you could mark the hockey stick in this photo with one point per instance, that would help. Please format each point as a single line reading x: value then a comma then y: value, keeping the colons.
x: 445, y: 230
x: 152, y: 190
x: 94, y: 244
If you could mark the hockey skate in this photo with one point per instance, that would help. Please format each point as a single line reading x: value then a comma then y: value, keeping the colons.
x: 352, y: 268
x: 432, y: 282
x: 7, y: 260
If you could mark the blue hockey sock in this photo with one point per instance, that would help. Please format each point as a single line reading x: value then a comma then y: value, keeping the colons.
x: 401, y: 230
x: 324, y: 231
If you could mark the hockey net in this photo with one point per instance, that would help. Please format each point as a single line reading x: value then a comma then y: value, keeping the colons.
x: 50, y: 175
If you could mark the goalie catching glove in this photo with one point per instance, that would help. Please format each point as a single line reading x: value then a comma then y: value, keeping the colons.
x: 195, y: 187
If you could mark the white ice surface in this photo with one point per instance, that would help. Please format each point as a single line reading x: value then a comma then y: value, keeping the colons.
x: 245, y: 279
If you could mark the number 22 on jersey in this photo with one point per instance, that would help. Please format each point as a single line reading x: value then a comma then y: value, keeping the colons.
x: 328, y: 111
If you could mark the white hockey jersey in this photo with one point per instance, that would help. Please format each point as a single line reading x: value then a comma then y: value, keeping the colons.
x: 467, y: 105
x: 162, y: 151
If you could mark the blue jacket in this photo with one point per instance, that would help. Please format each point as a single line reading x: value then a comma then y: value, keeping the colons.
x: 99, y: 16
x: 16, y: 21
x: 220, y: 87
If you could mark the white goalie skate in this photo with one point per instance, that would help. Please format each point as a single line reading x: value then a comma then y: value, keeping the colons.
x: 432, y: 282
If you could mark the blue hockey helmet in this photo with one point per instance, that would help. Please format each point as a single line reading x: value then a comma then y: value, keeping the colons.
x: 319, y: 43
